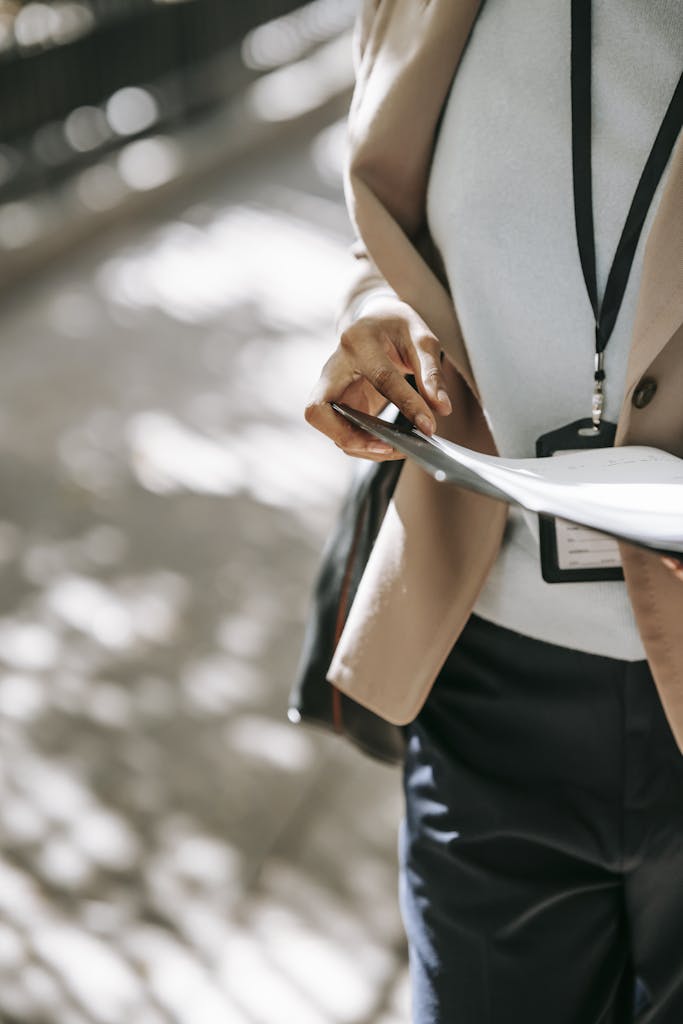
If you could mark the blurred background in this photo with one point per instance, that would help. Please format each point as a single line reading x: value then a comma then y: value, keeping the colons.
x: 173, y: 243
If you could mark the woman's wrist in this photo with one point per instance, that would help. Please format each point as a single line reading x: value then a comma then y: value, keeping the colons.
x: 376, y: 299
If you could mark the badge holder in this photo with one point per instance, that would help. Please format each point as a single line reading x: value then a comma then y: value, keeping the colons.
x: 572, y: 553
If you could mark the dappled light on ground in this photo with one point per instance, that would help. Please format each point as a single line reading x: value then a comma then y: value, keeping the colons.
x: 194, y: 270
x: 173, y: 851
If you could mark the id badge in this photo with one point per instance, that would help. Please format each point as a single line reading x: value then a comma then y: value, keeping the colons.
x: 571, y: 553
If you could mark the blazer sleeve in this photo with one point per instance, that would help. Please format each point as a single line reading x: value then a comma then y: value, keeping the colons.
x: 365, y: 280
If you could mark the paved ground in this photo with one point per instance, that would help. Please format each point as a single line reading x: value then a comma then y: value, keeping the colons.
x: 173, y: 850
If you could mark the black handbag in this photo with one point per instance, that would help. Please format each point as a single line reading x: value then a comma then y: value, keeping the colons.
x: 313, y: 699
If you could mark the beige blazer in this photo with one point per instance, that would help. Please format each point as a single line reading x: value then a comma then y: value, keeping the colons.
x: 438, y: 542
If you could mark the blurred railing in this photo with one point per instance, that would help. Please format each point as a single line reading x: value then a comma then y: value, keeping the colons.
x: 78, y: 77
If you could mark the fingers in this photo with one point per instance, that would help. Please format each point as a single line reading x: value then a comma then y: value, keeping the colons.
x: 345, y: 435
x: 369, y: 367
x: 421, y: 351
x: 424, y: 355
x: 337, y: 382
x: 674, y: 565
x: 375, y: 347
x: 386, y: 379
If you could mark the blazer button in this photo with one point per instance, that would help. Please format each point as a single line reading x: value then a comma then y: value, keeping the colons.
x: 644, y: 392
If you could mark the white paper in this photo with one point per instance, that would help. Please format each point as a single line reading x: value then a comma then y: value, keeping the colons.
x: 633, y: 492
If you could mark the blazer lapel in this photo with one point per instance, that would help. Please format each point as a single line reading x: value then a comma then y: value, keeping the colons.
x: 660, y: 299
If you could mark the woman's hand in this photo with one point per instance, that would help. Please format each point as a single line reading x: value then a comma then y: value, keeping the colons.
x: 675, y: 566
x: 368, y: 368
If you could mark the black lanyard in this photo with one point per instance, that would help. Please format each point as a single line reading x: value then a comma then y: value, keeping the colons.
x: 606, y: 313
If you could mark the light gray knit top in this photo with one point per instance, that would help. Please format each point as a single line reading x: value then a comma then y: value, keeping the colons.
x: 500, y: 208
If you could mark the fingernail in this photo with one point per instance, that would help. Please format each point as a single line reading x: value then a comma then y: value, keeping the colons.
x: 380, y: 449
x: 424, y: 423
x: 671, y: 563
x: 443, y: 398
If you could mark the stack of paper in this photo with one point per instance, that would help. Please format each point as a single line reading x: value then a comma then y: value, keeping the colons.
x: 634, y: 493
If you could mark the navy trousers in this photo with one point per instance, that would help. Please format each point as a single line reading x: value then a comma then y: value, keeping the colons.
x: 541, y: 849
